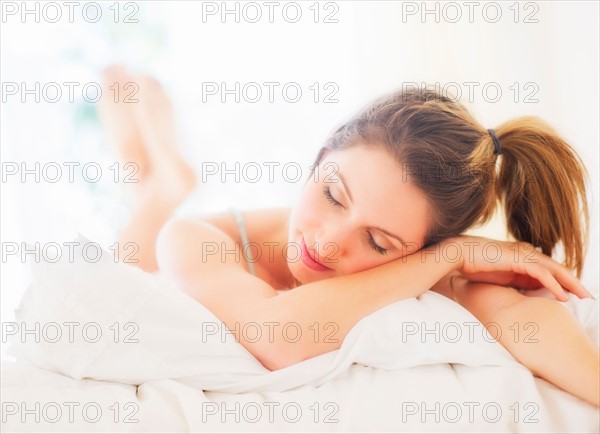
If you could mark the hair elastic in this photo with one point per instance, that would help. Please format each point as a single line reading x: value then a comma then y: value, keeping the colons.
x: 497, y: 147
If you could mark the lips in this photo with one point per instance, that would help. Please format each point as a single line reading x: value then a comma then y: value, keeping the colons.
x: 309, y: 261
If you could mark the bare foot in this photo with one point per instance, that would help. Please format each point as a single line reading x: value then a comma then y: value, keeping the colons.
x: 170, y: 175
x: 143, y: 132
x: 117, y: 117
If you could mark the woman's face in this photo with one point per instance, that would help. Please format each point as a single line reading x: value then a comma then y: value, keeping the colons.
x: 352, y: 214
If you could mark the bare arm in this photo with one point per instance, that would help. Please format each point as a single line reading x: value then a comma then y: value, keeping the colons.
x: 540, y: 333
x: 310, y: 320
x: 562, y: 353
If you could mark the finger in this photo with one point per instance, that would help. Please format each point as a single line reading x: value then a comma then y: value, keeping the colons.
x: 549, y: 282
x: 575, y: 286
x: 569, y: 281
x: 559, y: 276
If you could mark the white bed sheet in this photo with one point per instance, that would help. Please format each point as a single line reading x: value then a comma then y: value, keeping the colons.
x: 381, y: 379
x: 434, y: 398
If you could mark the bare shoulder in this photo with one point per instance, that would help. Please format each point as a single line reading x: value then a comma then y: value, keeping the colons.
x: 194, y: 245
x: 190, y: 251
x: 187, y: 244
x: 259, y: 223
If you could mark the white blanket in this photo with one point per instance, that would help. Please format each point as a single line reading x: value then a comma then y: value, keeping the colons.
x: 112, y: 322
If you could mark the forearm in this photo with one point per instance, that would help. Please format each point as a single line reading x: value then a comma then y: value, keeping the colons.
x: 307, y: 321
x: 555, y: 348
x: 327, y: 310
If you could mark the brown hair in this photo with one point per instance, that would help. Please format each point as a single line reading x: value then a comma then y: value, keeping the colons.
x: 447, y: 154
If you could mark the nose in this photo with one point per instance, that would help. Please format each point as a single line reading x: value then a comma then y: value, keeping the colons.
x: 331, y: 241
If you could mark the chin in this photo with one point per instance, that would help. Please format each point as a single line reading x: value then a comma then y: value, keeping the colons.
x: 297, y: 273
x: 303, y: 275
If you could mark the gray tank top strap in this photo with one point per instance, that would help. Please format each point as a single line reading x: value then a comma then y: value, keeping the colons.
x: 241, y: 225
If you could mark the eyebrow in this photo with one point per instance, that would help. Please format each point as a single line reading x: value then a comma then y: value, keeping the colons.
x: 388, y: 233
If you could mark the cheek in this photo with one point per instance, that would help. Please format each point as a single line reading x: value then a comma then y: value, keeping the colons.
x: 309, y: 209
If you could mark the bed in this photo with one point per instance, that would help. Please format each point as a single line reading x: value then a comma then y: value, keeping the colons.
x: 106, y: 347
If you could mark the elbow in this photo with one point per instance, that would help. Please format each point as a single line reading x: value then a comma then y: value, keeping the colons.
x: 166, y: 245
x: 175, y: 244
x: 281, y: 360
x: 278, y: 354
x: 272, y: 363
x: 275, y: 347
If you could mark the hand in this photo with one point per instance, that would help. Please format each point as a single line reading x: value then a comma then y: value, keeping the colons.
x: 514, y: 264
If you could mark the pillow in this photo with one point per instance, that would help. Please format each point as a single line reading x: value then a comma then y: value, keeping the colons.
x: 115, y: 322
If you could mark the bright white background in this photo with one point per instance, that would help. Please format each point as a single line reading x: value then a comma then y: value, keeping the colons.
x: 373, y: 48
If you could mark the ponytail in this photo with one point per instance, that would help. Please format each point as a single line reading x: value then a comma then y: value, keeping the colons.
x: 454, y: 161
x: 541, y: 182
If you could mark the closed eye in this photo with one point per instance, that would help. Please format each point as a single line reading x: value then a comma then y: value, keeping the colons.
x: 372, y: 243
x: 376, y: 247
x: 327, y: 193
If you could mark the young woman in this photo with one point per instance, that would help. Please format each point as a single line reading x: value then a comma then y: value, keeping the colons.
x: 379, y: 220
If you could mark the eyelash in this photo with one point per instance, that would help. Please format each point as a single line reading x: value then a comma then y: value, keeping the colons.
x: 327, y: 192
x: 378, y: 249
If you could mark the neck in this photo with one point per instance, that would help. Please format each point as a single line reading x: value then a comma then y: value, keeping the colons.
x: 279, y: 268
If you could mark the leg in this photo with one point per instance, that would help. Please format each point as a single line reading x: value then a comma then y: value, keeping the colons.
x: 118, y: 121
x: 144, y: 133
x: 539, y: 333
